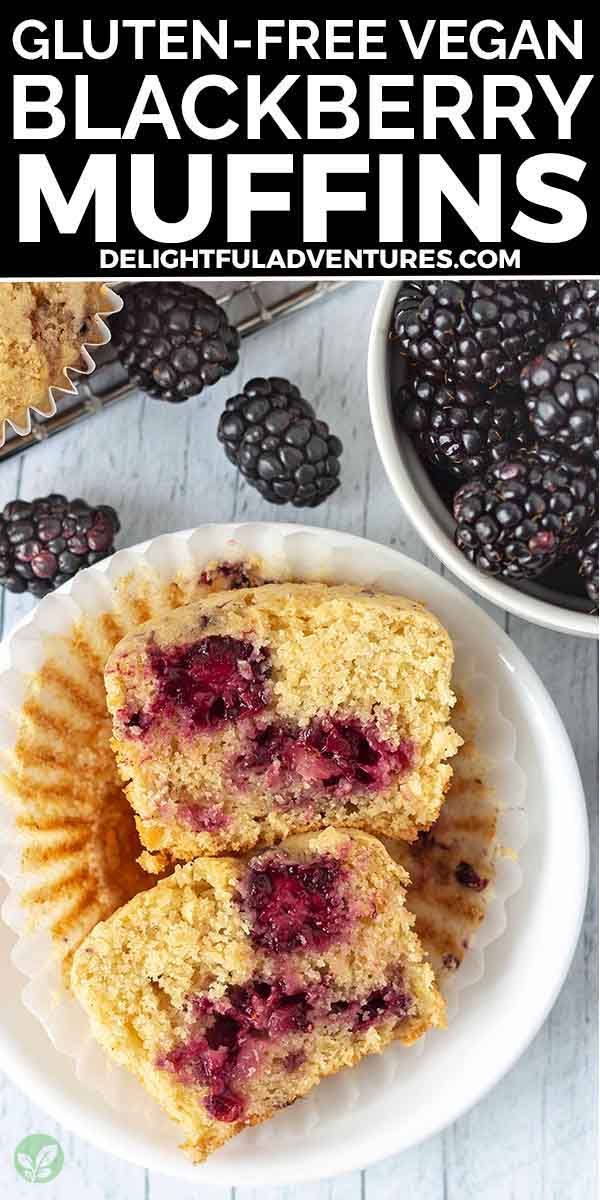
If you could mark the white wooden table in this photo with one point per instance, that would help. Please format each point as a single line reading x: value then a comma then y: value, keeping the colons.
x: 533, y: 1138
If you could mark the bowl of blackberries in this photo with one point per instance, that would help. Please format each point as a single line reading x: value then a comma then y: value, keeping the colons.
x: 484, y: 405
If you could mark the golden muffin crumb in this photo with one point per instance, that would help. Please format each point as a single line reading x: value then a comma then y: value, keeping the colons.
x: 42, y: 329
x: 235, y: 985
x: 251, y: 715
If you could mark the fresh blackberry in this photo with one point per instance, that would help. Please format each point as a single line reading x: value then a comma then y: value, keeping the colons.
x: 572, y: 303
x: 173, y: 339
x: 272, y: 435
x: 46, y: 541
x: 463, y: 428
x: 469, y: 331
x: 588, y: 562
x: 526, y: 512
x: 561, y: 393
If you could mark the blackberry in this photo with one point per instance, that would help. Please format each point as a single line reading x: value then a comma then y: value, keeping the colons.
x: 572, y: 303
x: 469, y: 330
x: 272, y: 435
x: 561, y: 393
x: 46, y: 541
x: 588, y: 562
x: 462, y: 428
x: 526, y: 512
x: 468, y: 877
x: 173, y: 339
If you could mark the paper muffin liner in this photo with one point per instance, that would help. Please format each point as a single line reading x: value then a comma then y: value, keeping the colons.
x: 68, y: 843
x: 20, y: 423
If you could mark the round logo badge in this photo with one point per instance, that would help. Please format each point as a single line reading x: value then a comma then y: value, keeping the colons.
x: 39, y: 1158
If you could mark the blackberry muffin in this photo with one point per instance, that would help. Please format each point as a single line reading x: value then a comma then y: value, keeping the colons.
x: 233, y: 987
x: 251, y: 715
x: 42, y: 329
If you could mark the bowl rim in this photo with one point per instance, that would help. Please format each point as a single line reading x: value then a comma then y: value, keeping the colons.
x: 394, y: 458
x: 86, y: 1113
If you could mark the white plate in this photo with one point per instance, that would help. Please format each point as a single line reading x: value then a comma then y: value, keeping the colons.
x: 498, y: 1016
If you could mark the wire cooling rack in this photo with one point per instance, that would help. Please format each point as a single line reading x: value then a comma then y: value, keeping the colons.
x: 250, y: 305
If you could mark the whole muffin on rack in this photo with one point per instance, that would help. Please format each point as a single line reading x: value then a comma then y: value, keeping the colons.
x: 43, y: 327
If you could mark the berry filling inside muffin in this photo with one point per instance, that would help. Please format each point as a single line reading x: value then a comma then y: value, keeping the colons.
x: 203, y: 685
x: 259, y: 712
x: 338, y: 755
x: 201, y: 818
x: 291, y: 905
x: 267, y: 1021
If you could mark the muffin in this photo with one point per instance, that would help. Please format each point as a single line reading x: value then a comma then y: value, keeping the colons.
x: 255, y: 714
x: 42, y: 329
x: 232, y: 987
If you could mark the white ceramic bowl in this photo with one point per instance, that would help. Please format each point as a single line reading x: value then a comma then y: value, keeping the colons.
x: 426, y: 510
x: 499, y: 1013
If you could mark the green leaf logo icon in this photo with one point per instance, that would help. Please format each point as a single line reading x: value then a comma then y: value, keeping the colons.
x: 39, y: 1158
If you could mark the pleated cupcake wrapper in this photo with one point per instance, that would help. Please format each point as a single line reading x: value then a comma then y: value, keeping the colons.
x: 67, y: 838
x: 20, y: 423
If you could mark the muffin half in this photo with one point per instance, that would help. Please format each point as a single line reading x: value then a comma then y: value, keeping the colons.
x: 256, y: 714
x: 232, y: 987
